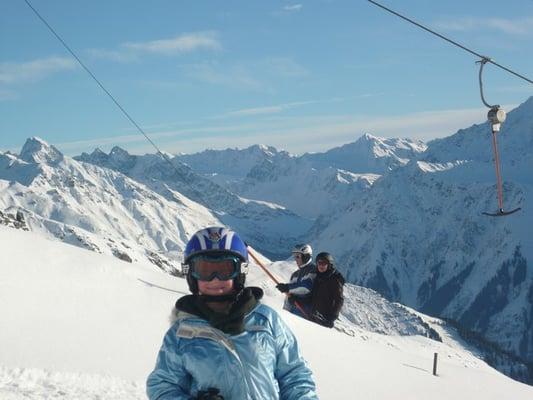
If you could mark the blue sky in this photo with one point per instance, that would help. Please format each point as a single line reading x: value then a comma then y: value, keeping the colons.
x: 298, y: 75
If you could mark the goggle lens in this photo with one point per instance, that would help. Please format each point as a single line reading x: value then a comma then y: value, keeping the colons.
x: 207, y: 268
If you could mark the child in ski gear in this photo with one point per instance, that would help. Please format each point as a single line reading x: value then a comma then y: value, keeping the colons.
x: 299, y: 288
x: 327, y: 296
x: 225, y: 344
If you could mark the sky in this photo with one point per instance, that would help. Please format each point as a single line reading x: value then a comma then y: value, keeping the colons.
x: 303, y: 76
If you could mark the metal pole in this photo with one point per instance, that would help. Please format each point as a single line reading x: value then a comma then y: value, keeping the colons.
x: 499, y: 185
x: 435, y: 355
x: 262, y: 266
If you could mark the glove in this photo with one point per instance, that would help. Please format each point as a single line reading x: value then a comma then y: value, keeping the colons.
x: 283, y: 287
x: 209, y: 394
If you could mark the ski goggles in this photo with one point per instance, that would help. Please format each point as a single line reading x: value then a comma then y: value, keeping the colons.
x: 207, y: 267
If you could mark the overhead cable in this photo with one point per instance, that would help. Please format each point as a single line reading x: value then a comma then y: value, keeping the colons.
x: 487, y: 59
x: 128, y: 116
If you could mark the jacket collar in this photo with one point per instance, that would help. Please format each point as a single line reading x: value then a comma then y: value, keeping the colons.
x: 231, y: 322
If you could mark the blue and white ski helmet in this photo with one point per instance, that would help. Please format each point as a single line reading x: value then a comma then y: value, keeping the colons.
x: 215, y: 240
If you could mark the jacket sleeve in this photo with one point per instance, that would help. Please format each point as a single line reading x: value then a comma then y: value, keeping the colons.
x: 339, y: 298
x: 169, y: 380
x: 336, y: 288
x: 294, y: 377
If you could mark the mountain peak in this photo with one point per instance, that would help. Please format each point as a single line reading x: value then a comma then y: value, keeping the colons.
x: 96, y: 157
x: 36, y: 150
x: 368, y: 137
x: 120, y: 159
x: 117, y: 152
x: 262, y: 149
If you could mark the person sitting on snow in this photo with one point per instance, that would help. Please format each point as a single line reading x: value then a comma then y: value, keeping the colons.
x: 224, y: 343
x: 327, y: 295
x: 299, y: 288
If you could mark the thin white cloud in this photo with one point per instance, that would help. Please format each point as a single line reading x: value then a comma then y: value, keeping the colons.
x: 76, y: 147
x: 517, y: 26
x: 293, y: 7
x: 184, y: 43
x: 525, y: 88
x: 258, y: 75
x: 113, y: 55
x: 258, y: 111
x: 31, y: 71
x: 284, y: 66
x: 7, y: 95
x: 237, y: 76
x: 279, y: 108
x: 296, y: 134
x: 267, y: 109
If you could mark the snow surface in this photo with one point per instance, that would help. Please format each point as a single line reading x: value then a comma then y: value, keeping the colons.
x: 76, y: 324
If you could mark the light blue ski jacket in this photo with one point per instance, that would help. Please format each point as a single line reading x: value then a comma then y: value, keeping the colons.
x: 262, y: 363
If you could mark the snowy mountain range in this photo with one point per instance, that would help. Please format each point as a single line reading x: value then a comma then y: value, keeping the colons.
x: 269, y: 225
x: 313, y: 185
x: 96, y: 208
x: 419, y: 236
x: 401, y: 217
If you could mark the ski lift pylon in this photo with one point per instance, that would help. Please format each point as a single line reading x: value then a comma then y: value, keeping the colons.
x: 496, y: 116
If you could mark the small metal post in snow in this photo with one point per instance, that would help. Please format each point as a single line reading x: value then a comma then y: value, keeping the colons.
x: 435, y: 355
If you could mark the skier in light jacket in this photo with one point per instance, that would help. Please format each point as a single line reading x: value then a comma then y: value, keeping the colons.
x: 225, y: 344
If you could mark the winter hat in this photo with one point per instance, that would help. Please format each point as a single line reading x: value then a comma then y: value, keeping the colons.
x: 326, y: 257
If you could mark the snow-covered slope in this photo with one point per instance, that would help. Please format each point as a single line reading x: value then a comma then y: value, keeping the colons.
x: 269, y: 225
x: 297, y: 185
x: 311, y: 185
x: 368, y: 154
x: 97, y: 208
x: 76, y: 324
x: 224, y: 166
x: 474, y: 143
x: 419, y: 236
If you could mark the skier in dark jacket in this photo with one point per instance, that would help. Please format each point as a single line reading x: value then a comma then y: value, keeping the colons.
x: 327, y: 295
x: 299, y: 288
